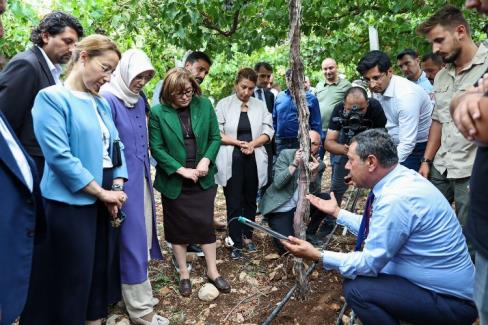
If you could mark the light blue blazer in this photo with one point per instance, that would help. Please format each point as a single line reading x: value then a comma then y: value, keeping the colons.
x: 70, y: 137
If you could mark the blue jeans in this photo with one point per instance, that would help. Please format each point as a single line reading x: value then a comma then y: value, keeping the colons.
x: 413, y: 160
x: 387, y: 299
x: 481, y: 288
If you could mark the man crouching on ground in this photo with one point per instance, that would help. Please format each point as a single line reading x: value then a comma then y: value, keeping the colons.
x: 415, y: 265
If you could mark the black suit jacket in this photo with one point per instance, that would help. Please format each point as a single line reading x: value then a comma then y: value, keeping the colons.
x: 269, y: 98
x: 21, y: 224
x: 23, y: 77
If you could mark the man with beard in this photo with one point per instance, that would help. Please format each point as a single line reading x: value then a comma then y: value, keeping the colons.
x: 198, y: 63
x: 408, y: 61
x: 34, y: 69
x: 431, y: 64
x: 449, y: 157
x: 406, y: 105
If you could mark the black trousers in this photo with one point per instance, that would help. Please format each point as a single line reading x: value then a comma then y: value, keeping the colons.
x: 80, y: 270
x: 339, y: 171
x: 281, y: 222
x: 317, y: 216
x: 240, y: 196
x: 387, y: 299
x: 39, y: 161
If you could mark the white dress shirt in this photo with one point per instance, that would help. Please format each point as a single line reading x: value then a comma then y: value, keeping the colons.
x: 408, y: 111
x: 107, y: 161
x: 18, y: 154
x: 55, y: 69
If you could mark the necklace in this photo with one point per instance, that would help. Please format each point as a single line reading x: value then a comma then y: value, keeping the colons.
x: 186, y: 128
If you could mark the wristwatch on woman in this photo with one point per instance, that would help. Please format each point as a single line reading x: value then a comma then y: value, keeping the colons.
x: 426, y: 160
x: 117, y: 187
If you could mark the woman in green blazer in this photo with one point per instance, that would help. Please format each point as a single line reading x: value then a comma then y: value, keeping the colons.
x: 184, y: 138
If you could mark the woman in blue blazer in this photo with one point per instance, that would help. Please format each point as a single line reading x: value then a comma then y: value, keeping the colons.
x: 81, y: 186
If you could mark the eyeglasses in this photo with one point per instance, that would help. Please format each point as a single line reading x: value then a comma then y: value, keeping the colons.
x: 106, y: 70
x: 375, y: 78
x: 187, y: 93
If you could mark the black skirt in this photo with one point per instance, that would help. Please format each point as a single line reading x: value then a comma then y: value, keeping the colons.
x: 188, y: 219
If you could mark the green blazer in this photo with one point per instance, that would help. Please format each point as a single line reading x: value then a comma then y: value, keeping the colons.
x: 168, y: 148
x: 284, y: 184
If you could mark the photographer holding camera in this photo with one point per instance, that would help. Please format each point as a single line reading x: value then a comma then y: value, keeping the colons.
x: 355, y: 114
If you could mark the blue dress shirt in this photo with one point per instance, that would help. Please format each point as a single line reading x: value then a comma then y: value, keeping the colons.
x: 424, y: 82
x: 285, y: 115
x: 413, y: 233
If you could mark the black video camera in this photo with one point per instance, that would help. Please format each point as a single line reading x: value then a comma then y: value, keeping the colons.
x: 352, y: 122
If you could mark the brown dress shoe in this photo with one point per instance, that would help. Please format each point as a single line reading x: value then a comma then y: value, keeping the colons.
x: 185, y: 287
x: 221, y: 284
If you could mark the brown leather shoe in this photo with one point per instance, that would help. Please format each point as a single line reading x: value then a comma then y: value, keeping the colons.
x: 221, y: 284
x: 185, y: 287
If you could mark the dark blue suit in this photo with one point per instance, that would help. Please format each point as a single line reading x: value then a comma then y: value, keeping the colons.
x: 21, y: 220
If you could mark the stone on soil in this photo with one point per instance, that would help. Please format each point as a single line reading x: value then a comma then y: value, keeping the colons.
x: 208, y: 292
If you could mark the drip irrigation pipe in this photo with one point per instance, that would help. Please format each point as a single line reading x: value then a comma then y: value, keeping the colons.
x: 287, y: 297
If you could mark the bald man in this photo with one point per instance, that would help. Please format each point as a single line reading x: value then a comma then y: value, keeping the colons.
x: 280, y: 200
x: 330, y: 92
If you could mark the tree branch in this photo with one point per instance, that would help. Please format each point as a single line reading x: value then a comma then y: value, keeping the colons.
x: 208, y: 22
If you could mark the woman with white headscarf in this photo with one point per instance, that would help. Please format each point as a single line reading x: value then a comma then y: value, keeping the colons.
x: 138, y: 232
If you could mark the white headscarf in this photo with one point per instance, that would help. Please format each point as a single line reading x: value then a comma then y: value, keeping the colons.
x: 132, y: 63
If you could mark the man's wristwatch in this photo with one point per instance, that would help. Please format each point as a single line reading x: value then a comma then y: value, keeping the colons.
x: 426, y: 160
x: 117, y: 187
x: 321, y: 260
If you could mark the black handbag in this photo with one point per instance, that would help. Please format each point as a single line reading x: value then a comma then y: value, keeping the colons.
x: 116, y: 154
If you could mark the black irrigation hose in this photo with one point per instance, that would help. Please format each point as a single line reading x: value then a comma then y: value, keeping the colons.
x: 287, y: 297
x: 341, y: 313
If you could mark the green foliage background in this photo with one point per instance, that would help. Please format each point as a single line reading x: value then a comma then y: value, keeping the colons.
x: 239, y: 33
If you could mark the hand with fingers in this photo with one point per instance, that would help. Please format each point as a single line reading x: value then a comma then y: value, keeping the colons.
x: 247, y: 148
x: 189, y: 173
x: 202, y: 167
x: 424, y: 170
x: 113, y: 209
x: 298, y: 157
x: 328, y: 206
x: 314, y: 165
x: 301, y: 248
x: 113, y: 197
